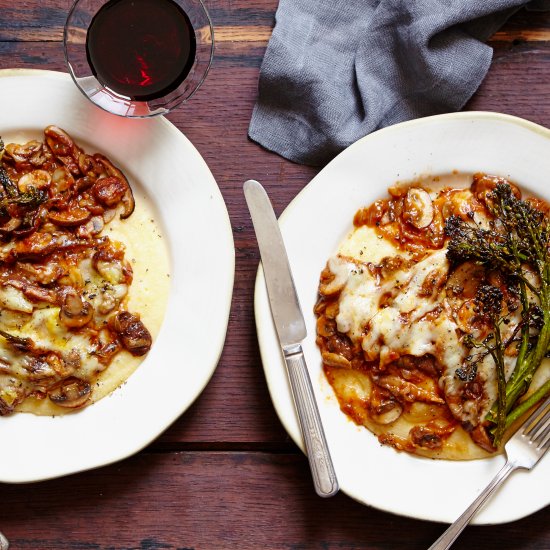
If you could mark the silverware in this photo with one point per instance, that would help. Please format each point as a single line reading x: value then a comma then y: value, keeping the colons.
x: 524, y: 449
x: 291, y: 330
x: 4, y: 544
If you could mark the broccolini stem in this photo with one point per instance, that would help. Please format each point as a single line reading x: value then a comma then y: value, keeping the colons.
x: 524, y: 346
x: 518, y: 384
x: 523, y: 407
x: 497, y: 354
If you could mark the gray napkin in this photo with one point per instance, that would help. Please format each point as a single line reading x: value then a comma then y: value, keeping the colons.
x: 336, y: 70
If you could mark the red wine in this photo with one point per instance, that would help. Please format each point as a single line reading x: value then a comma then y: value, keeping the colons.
x: 141, y: 49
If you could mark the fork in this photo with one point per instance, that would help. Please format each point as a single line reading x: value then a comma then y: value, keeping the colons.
x: 4, y: 544
x: 523, y: 450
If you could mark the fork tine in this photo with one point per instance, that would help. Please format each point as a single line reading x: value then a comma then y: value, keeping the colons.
x: 532, y: 423
x: 543, y: 434
x: 541, y: 428
x: 537, y: 427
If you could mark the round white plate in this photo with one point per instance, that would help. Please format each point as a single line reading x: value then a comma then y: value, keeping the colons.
x: 316, y: 222
x: 163, y: 165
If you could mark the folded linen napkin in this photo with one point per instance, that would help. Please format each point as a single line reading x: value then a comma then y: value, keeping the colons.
x: 336, y: 70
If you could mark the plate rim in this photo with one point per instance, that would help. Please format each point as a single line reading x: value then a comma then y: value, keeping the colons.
x: 218, y: 343
x: 292, y: 428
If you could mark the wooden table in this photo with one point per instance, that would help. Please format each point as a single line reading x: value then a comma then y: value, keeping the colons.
x: 226, y: 475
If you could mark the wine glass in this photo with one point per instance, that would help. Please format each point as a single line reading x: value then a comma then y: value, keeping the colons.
x: 138, y: 58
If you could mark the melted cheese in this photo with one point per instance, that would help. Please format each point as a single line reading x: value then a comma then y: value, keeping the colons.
x: 401, y: 325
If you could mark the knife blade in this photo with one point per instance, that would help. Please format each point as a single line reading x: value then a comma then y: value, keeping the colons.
x: 291, y: 330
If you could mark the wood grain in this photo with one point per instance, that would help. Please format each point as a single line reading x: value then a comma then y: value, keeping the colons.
x: 221, y: 501
x: 226, y: 475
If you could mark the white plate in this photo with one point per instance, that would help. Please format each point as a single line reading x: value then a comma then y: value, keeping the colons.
x: 164, y: 165
x: 316, y: 222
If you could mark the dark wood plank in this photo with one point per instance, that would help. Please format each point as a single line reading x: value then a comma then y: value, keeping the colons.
x: 241, y: 22
x: 31, y: 20
x: 221, y: 501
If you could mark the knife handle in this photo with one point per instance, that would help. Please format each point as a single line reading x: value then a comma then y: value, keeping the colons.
x: 322, y: 470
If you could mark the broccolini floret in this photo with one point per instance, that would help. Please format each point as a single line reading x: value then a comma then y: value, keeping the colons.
x: 516, y: 243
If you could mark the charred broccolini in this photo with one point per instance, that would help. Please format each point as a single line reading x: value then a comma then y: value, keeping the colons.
x: 516, y: 243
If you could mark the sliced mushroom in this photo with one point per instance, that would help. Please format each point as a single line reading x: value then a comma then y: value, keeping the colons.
x: 34, y: 292
x: 483, y: 184
x: 132, y: 332
x: 94, y: 226
x: 20, y: 344
x: 88, y: 201
x: 62, y: 179
x: 128, y: 197
x: 107, y: 346
x: 39, y: 179
x: 111, y: 298
x: 41, y: 243
x: 408, y: 391
x: 336, y: 360
x: 75, y: 312
x: 433, y: 282
x: 107, y: 252
x: 481, y: 437
x: 111, y: 271
x: 27, y: 152
x: 425, y: 438
x: 85, y: 182
x: 87, y: 165
x: 45, y: 273
x: 11, y: 225
x: 64, y: 366
x: 109, y: 191
x: 70, y: 217
x: 72, y: 393
x: 418, y: 209
x: 31, y: 222
x: 387, y: 412
x: 41, y: 369
x: 325, y: 327
x: 63, y: 147
x: 109, y: 215
x: 335, y: 276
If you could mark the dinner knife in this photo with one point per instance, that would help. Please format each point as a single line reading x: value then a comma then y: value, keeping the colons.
x: 291, y: 330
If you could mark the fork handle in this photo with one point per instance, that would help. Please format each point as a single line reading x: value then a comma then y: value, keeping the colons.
x: 451, y: 534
